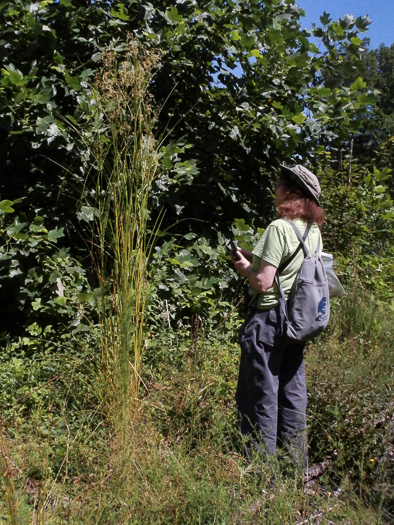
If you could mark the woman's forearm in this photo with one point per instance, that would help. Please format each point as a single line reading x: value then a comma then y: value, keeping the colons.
x: 261, y: 280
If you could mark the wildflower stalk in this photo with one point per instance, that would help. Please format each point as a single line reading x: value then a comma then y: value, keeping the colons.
x: 126, y: 156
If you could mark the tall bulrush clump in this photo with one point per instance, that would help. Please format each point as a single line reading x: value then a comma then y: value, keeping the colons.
x: 126, y: 156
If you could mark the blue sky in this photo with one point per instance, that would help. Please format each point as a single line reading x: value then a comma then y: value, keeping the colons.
x: 381, y: 12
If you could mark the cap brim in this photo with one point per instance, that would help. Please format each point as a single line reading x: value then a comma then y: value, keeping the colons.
x: 287, y: 171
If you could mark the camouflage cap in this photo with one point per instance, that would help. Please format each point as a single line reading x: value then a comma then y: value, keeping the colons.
x: 304, y: 179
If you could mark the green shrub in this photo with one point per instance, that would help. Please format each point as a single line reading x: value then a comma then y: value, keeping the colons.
x: 42, y: 285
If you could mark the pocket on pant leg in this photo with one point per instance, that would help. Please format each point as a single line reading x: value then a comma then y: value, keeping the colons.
x: 268, y: 327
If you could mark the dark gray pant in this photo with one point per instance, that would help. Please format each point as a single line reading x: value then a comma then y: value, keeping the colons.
x: 271, y: 391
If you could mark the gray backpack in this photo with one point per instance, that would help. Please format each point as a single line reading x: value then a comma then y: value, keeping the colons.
x: 308, y: 309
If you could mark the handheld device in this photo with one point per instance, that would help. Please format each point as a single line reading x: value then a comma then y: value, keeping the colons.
x: 234, y: 251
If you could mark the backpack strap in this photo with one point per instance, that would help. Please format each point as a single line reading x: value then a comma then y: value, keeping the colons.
x: 282, y: 298
x: 302, y: 239
x: 288, y: 261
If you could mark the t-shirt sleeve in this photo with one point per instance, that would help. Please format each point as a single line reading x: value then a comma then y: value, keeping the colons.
x: 271, y: 246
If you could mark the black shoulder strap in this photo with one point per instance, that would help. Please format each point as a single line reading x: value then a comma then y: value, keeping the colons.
x: 288, y: 261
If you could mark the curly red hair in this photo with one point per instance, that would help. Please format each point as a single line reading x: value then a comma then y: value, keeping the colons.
x: 298, y: 205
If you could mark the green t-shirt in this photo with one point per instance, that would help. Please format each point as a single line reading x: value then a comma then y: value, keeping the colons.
x: 276, y: 245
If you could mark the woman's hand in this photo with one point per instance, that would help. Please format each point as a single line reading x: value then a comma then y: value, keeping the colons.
x: 263, y: 279
x: 246, y: 253
x: 242, y: 261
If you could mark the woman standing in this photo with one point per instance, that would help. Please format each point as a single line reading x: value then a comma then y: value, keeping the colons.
x: 271, y: 391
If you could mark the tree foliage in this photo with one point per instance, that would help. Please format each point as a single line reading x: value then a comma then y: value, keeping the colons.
x: 375, y: 142
x: 242, y: 86
x: 236, y: 80
x: 369, y: 138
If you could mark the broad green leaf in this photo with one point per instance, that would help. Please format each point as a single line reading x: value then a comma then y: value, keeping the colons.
x: 299, y: 119
x: 325, y: 19
x: 54, y: 235
x: 382, y: 175
x: 36, y: 304
x: 241, y: 225
x: 235, y: 36
x: 173, y: 261
x: 367, y: 98
x: 74, y: 82
x: 14, y: 272
x: 356, y: 41
x: 363, y: 22
x: 85, y: 297
x: 338, y: 29
x: 6, y: 206
x: 248, y: 42
x: 323, y: 91
x: 81, y: 327
x: 358, y: 84
x: 173, y: 15
x: 380, y: 188
x: 14, y: 229
x: 37, y: 225
x: 190, y: 236
x: 120, y: 14
x: 13, y: 75
x: 275, y: 36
